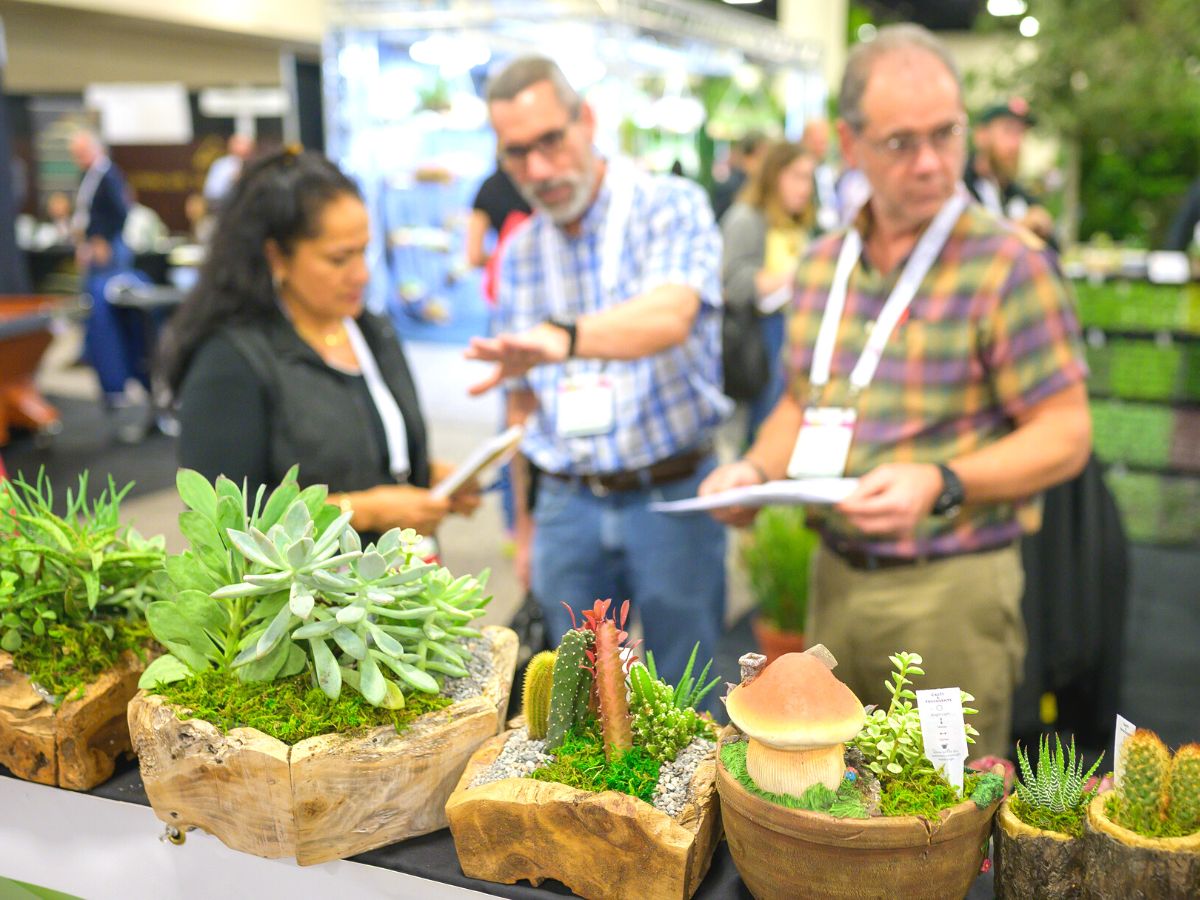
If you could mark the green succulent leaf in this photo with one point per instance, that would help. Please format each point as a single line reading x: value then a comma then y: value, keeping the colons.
x: 329, y: 676
x: 164, y: 670
x: 352, y: 645
x: 196, y: 493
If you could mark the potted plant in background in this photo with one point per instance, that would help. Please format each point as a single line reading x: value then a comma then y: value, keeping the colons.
x: 777, y: 557
x: 607, y: 786
x: 820, y: 799
x: 320, y: 698
x: 1039, y: 829
x: 73, y: 637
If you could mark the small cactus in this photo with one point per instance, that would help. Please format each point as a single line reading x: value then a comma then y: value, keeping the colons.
x: 1143, y: 785
x: 535, y: 699
x: 615, y: 723
x: 1183, y: 789
x: 659, y: 727
x: 570, y: 681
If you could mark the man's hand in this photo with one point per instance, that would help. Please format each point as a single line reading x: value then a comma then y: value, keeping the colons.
x: 100, y: 253
x: 1039, y: 221
x: 892, y: 499
x: 724, y: 478
x: 516, y: 354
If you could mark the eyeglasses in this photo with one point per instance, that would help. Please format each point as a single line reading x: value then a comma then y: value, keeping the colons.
x: 546, y: 145
x: 905, y: 146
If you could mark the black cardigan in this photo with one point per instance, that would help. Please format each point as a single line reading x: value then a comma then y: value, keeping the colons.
x: 256, y: 399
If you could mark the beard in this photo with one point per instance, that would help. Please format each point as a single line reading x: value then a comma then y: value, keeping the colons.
x: 573, y: 207
x: 1003, y: 169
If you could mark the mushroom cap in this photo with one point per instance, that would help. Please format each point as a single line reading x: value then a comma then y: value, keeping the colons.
x: 796, y: 703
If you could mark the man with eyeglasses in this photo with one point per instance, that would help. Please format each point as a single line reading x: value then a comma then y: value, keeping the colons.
x: 935, y: 357
x: 609, y: 309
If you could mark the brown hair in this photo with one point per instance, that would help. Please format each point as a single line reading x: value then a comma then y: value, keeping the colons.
x: 761, y: 191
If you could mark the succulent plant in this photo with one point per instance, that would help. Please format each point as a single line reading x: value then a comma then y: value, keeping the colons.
x: 1183, y: 802
x: 571, y: 689
x: 535, y: 699
x: 1142, y: 795
x: 1055, y: 797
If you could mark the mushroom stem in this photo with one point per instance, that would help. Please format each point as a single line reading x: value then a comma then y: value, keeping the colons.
x: 795, y: 771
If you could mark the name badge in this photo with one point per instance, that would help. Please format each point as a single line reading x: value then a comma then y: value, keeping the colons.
x: 586, y: 405
x: 823, y: 445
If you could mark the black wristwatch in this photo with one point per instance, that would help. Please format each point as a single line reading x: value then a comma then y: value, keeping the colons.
x: 569, y: 328
x: 950, y: 500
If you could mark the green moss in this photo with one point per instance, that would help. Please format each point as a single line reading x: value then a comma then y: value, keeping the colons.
x: 579, y: 763
x: 67, y: 658
x: 1163, y: 829
x: 290, y: 709
x: 846, y: 802
x: 925, y: 794
x: 1069, y: 822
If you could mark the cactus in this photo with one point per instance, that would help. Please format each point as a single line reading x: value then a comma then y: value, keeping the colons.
x: 570, y: 680
x: 535, y: 699
x: 660, y: 727
x: 1183, y: 789
x: 1143, y: 785
x: 615, y: 723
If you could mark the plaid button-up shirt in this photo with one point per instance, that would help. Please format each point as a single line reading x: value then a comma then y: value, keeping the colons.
x: 665, y: 403
x: 991, y: 332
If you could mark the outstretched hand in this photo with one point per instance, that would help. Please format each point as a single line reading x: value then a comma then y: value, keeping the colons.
x: 724, y: 478
x: 892, y: 499
x: 516, y: 354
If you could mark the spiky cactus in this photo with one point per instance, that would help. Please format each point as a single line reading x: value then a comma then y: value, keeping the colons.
x: 571, y: 681
x: 1142, y: 800
x: 615, y: 724
x: 1059, y: 783
x: 535, y: 699
x: 660, y: 727
x: 1183, y: 789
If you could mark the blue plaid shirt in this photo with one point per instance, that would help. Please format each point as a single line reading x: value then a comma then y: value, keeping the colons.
x: 665, y: 403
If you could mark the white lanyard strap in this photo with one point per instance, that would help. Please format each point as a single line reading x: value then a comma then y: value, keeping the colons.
x: 385, y: 403
x: 621, y: 177
x: 989, y: 195
x: 87, y: 191
x: 928, y: 248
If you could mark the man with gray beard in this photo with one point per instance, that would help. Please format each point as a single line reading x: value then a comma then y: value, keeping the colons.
x: 609, y: 313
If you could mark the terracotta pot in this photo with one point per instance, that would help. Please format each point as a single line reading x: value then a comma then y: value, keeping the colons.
x: 1122, y: 863
x: 788, y: 854
x: 773, y: 642
x: 1034, y: 862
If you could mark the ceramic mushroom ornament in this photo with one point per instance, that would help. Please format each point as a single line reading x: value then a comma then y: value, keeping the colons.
x: 797, y: 716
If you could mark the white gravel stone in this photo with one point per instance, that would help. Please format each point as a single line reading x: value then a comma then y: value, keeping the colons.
x: 675, y: 777
x: 518, y: 758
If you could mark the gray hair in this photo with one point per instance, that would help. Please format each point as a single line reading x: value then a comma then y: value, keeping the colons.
x: 890, y: 39
x: 526, y: 71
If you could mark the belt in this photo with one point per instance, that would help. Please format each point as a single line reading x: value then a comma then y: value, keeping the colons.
x: 865, y: 561
x: 673, y: 468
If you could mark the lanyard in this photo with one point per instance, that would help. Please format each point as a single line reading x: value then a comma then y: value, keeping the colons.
x: 989, y: 195
x: 385, y: 403
x: 622, y: 177
x: 87, y: 192
x: 928, y: 248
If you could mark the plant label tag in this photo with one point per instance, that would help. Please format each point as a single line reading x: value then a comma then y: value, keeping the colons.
x: 823, y: 444
x: 1125, y: 730
x: 1168, y: 267
x: 943, y: 731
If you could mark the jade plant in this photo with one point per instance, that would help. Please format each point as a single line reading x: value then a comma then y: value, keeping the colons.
x: 282, y: 585
x: 73, y: 587
x: 1158, y: 795
x: 1055, y: 796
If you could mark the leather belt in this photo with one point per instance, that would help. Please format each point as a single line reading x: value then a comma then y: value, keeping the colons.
x: 864, y: 561
x: 673, y: 468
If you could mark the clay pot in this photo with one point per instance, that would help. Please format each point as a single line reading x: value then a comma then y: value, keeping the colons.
x: 1034, y: 862
x: 1122, y: 863
x: 789, y: 854
x: 774, y: 643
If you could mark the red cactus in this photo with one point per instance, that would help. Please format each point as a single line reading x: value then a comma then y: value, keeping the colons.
x: 615, y: 721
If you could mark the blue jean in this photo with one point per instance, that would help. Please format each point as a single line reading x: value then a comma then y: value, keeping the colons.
x: 115, y: 339
x: 672, y: 567
x: 774, y: 329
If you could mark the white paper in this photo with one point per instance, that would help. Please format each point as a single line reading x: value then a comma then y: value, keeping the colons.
x: 943, y: 731
x: 1168, y: 267
x: 1124, y: 731
x: 494, y: 451
x: 816, y: 491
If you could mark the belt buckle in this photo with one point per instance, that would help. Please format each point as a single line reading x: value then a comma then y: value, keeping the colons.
x: 599, y: 491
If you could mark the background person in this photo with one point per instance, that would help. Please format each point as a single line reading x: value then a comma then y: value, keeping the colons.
x: 745, y: 156
x: 991, y: 172
x: 225, y: 171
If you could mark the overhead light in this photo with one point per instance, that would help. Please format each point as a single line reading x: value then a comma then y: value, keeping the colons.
x: 453, y: 55
x: 743, y: 2
x: 1000, y: 8
x: 1029, y: 27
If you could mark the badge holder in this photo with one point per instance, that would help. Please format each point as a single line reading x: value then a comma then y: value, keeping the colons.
x: 823, y: 444
x: 586, y: 405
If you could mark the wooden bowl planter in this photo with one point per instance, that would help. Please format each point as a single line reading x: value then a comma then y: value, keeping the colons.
x: 74, y: 745
x: 1122, y: 863
x: 606, y: 844
x: 326, y: 797
x: 785, y: 854
x: 1035, y: 862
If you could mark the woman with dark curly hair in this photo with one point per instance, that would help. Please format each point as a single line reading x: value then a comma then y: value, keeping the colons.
x: 273, y: 361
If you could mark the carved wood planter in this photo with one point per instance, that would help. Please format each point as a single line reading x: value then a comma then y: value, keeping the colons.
x: 1122, y: 863
x: 74, y: 745
x: 327, y: 797
x: 1033, y: 862
x: 605, y: 845
x: 787, y: 854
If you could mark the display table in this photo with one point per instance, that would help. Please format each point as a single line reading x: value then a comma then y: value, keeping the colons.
x: 108, y: 844
x: 24, y: 336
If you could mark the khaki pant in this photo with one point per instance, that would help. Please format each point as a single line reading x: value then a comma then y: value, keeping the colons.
x: 962, y: 614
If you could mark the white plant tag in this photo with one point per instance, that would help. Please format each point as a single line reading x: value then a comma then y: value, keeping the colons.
x: 1125, y: 730
x: 943, y: 731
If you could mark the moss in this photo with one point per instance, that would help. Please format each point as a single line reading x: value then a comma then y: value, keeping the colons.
x: 290, y: 709
x: 1069, y: 822
x: 846, y: 802
x: 1163, y: 829
x: 579, y: 763
x: 67, y: 658
x: 925, y: 795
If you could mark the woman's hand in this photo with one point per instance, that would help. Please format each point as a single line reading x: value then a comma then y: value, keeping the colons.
x: 390, y: 506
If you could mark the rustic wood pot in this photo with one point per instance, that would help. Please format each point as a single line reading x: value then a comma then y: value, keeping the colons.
x: 326, y: 797
x: 600, y: 845
x: 1033, y: 862
x: 787, y: 854
x: 1122, y: 863
x: 74, y: 745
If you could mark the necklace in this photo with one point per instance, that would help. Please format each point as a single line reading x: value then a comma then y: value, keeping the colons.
x: 330, y: 339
